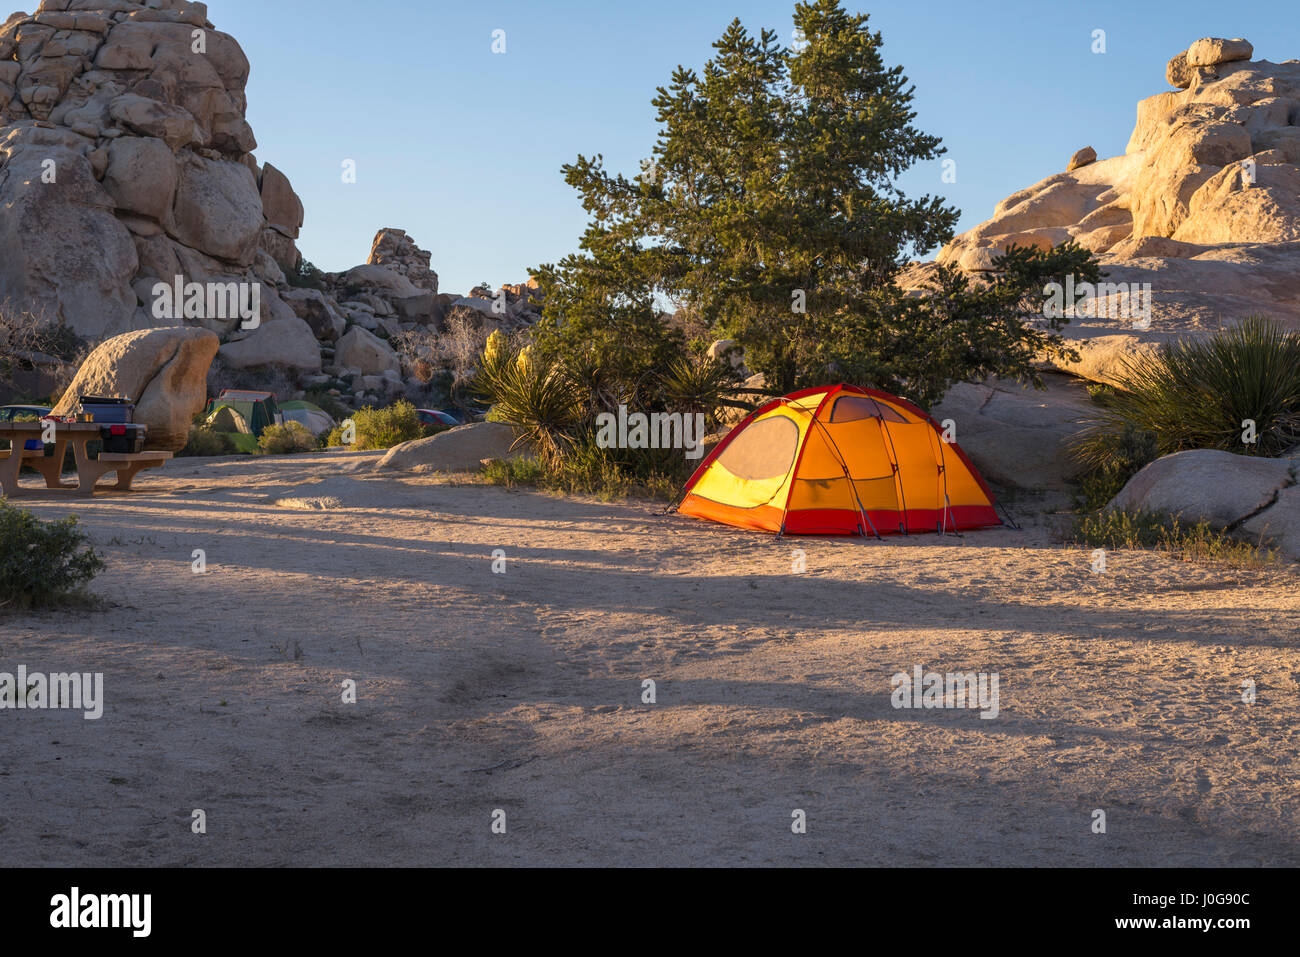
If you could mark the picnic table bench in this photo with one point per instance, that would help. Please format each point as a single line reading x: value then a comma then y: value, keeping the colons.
x: 78, y: 435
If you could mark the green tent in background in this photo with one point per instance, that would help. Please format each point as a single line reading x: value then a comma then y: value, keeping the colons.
x: 242, y: 416
x: 230, y: 421
x: 249, y: 413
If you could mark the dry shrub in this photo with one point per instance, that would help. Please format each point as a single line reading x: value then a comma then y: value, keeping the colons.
x: 27, y: 335
x: 456, y: 350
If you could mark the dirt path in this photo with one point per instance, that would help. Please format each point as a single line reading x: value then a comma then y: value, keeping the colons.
x: 522, y: 691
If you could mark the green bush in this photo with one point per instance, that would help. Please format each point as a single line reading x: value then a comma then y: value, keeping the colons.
x: 378, y: 429
x: 1197, y: 394
x: 609, y: 474
x: 204, y: 441
x: 587, y: 469
x: 286, y: 439
x: 42, y: 563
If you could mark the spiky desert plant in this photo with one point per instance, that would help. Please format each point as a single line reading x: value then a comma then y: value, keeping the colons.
x: 696, y: 384
x: 1204, y: 394
x: 539, y: 400
x: 495, y: 347
x: 599, y: 387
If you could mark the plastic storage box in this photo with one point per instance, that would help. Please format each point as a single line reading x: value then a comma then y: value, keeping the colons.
x: 122, y: 437
x: 108, y: 409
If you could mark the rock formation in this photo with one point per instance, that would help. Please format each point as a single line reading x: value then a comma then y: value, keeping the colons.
x: 125, y: 160
x: 395, y: 250
x: 1204, y: 204
x: 462, y: 449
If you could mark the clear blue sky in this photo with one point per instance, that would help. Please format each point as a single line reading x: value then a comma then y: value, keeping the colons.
x: 463, y: 148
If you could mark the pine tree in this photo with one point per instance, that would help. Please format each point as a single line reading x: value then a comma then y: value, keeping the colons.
x: 769, y: 209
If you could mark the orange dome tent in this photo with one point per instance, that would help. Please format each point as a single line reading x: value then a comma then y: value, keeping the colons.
x: 839, y: 460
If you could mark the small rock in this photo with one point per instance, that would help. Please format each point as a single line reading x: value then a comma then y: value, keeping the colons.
x: 1084, y: 157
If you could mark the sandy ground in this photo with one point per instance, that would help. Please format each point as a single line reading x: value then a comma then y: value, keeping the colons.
x: 522, y: 691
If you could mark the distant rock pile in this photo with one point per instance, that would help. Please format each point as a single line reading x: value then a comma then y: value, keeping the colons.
x: 126, y: 161
x: 395, y: 250
x: 342, y: 335
x: 1204, y: 204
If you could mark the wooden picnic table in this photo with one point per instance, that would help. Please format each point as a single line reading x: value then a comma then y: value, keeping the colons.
x: 78, y: 435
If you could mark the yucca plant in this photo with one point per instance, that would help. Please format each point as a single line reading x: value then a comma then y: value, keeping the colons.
x: 497, y: 357
x: 696, y: 384
x: 540, y: 401
x: 600, y: 388
x: 1200, y: 394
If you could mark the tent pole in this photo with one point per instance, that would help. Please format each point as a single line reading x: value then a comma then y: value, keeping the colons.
x: 947, y: 509
x: 848, y: 478
x: 677, y: 500
x: 898, y: 474
x: 943, y: 473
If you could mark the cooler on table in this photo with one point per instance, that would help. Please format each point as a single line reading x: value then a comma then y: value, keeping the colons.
x: 123, y: 437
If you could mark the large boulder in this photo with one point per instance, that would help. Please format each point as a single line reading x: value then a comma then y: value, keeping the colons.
x: 318, y: 312
x: 1212, y: 51
x: 1279, y: 523
x: 366, y: 352
x: 462, y: 449
x: 164, y: 370
x: 390, y: 284
x: 63, y: 252
x: 172, y: 124
x: 286, y: 342
x: 280, y: 204
x: 283, y: 250
x: 1017, y: 436
x: 142, y: 176
x: 1207, y: 485
x: 218, y: 209
x: 415, y: 309
x: 727, y: 349
x: 1230, y: 207
x: 1081, y: 158
x: 1104, y: 359
x: 478, y: 304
